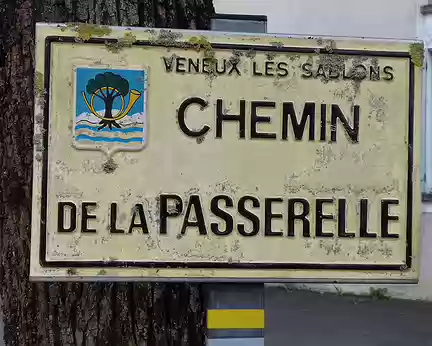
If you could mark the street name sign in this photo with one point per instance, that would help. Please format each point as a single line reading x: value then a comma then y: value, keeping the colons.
x: 206, y: 156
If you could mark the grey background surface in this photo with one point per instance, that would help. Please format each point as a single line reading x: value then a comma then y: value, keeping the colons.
x: 303, y: 318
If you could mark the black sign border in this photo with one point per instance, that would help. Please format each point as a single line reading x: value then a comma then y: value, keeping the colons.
x: 209, y: 265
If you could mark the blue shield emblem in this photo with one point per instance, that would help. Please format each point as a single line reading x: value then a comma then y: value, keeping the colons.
x: 110, y: 109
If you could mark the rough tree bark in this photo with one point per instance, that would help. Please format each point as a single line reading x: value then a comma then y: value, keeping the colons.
x: 76, y: 314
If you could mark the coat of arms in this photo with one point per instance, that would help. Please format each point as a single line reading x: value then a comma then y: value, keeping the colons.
x: 110, y: 109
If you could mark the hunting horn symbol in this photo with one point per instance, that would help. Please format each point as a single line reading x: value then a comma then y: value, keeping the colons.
x: 134, y: 95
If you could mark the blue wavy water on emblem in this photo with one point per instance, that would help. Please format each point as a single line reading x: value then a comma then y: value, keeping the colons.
x: 114, y: 129
x: 112, y: 139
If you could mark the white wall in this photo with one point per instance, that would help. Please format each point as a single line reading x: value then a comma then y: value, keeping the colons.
x: 363, y: 18
x: 395, y: 19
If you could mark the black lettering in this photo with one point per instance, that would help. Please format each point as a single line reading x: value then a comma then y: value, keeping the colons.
x: 168, y: 63
x: 61, y: 228
x: 85, y: 216
x: 221, y: 117
x: 255, y: 71
x: 248, y: 215
x: 323, y: 128
x: 255, y: 118
x: 307, y: 72
x: 223, y: 70
x: 364, y: 220
x: 386, y: 218
x: 298, y: 127
x: 193, y: 65
x: 165, y: 212
x: 269, y: 216
x: 138, y: 210
x: 345, y: 76
x: 375, y: 73
x: 198, y: 221
x: 113, y: 220
x: 352, y: 132
x: 342, y: 233
x: 206, y: 65
x: 181, y: 115
x: 303, y: 216
x: 223, y: 214
x: 333, y: 74
x: 269, y: 68
x: 282, y: 69
x: 180, y: 65
x: 320, y: 217
x: 234, y: 68
x: 360, y: 72
x: 320, y: 72
x: 388, y: 72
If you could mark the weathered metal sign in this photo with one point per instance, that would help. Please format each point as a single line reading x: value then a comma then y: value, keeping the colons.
x: 190, y: 155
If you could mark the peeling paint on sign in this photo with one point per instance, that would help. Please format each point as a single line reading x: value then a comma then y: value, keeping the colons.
x: 174, y: 155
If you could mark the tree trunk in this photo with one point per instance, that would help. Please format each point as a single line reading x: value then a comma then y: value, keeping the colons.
x: 62, y: 314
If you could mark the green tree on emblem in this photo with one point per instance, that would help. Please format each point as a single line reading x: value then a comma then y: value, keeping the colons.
x: 108, y: 86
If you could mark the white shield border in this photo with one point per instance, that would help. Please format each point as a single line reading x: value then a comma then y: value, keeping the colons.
x: 110, y: 150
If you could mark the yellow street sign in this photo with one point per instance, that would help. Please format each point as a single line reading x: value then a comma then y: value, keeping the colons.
x: 188, y: 155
